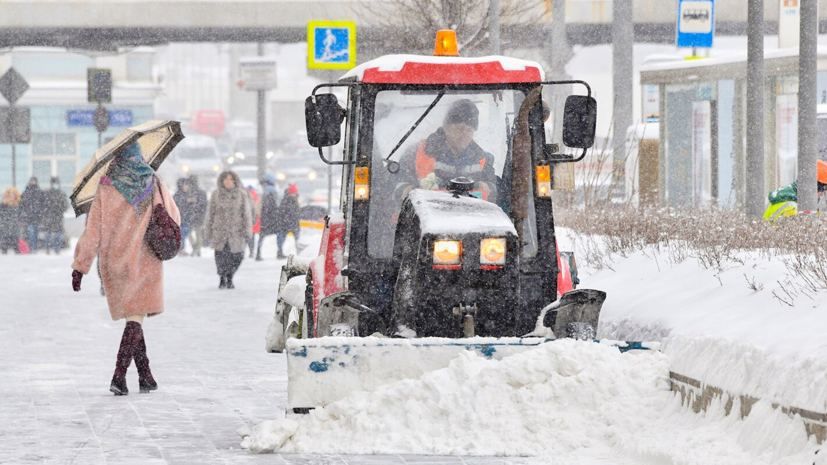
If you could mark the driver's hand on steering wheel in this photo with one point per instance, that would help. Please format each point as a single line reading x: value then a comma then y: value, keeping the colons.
x: 430, y: 182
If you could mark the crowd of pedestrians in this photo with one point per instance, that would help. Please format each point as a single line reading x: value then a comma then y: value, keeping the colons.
x: 33, y: 220
x: 235, y: 220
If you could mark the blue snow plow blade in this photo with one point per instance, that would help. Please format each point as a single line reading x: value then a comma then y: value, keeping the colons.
x: 324, y: 370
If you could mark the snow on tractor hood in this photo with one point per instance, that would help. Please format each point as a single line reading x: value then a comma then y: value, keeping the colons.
x: 442, y: 213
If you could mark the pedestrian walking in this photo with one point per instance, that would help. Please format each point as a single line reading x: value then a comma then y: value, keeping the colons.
x: 55, y: 204
x: 10, y: 221
x: 229, y: 226
x: 31, y: 211
x: 197, y: 200
x: 269, y: 210
x: 255, y: 207
x: 288, y: 218
x: 182, y: 190
x: 130, y: 272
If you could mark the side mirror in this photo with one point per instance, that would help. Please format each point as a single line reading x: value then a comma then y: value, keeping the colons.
x: 579, y: 119
x: 323, y: 119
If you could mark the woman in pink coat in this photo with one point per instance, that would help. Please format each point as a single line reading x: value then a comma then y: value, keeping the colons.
x: 130, y: 273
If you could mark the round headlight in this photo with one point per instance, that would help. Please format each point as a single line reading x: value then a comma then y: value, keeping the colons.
x: 447, y: 252
x: 492, y: 251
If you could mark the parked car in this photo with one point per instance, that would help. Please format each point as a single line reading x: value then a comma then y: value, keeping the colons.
x: 197, y: 155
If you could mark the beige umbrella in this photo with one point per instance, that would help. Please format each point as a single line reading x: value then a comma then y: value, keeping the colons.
x: 156, y: 138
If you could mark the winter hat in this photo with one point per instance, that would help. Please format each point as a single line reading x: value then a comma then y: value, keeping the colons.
x: 463, y: 111
x: 268, y: 180
x: 821, y: 168
x: 293, y: 189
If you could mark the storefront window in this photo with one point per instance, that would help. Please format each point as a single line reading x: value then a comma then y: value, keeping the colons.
x: 55, y: 154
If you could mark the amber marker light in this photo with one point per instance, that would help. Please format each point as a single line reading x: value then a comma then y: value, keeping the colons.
x: 543, y: 175
x: 361, y: 183
x: 446, y: 43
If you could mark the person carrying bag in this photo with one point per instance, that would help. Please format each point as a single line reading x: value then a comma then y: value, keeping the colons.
x: 122, y: 231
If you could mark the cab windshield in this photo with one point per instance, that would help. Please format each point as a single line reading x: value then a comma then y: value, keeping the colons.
x: 463, y: 133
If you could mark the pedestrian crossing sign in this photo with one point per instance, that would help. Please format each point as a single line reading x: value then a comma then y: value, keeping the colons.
x: 331, y: 44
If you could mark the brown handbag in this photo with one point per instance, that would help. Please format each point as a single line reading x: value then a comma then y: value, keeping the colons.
x: 163, y: 235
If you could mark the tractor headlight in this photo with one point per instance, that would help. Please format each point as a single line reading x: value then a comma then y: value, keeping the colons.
x: 492, y: 251
x: 447, y: 252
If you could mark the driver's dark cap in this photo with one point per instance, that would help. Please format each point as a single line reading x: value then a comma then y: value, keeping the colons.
x: 463, y: 111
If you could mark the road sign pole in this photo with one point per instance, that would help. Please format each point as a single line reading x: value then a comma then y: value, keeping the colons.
x: 13, y: 165
x: 13, y: 154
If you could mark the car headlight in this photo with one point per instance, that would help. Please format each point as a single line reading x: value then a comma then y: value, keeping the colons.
x: 239, y: 155
x: 492, y: 251
x: 185, y: 168
x: 216, y: 168
x: 447, y: 252
x: 281, y: 176
x: 311, y: 175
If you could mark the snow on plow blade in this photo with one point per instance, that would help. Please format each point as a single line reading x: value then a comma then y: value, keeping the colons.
x: 324, y: 370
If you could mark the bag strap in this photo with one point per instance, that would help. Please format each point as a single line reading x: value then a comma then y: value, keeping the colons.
x: 158, y: 183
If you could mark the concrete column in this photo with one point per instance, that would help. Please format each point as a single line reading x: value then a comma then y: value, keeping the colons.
x: 755, y: 193
x: 807, y: 135
x: 261, y: 125
x: 494, y: 26
x: 622, y: 88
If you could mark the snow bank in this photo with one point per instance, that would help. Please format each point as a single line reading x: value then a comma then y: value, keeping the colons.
x: 565, y: 401
x: 722, y: 327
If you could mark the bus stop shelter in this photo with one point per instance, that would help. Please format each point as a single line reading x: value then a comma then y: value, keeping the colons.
x: 700, y: 108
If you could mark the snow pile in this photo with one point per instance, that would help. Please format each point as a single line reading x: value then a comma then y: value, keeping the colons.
x: 724, y: 327
x: 564, y: 401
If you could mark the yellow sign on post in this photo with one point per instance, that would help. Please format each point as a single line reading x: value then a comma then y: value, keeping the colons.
x: 331, y: 44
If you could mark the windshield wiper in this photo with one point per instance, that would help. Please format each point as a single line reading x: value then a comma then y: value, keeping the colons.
x: 413, y: 128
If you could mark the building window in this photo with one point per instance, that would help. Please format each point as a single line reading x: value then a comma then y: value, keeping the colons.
x: 55, y: 154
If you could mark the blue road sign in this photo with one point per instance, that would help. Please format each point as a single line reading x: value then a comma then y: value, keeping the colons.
x: 331, y: 44
x: 78, y: 118
x: 696, y: 23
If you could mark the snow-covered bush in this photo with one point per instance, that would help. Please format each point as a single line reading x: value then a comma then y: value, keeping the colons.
x: 714, y: 237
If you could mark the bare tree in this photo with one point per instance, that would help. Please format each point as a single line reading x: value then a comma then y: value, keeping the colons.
x: 413, y: 22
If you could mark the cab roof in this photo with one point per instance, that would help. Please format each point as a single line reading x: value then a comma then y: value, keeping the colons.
x: 423, y: 69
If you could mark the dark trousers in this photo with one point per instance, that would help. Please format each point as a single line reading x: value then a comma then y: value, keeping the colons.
x: 281, y: 236
x: 261, y: 237
x: 226, y: 262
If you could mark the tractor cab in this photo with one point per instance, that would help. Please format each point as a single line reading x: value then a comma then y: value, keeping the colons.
x: 447, y: 222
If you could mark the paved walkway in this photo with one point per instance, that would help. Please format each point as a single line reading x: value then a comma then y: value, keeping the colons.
x: 207, y: 352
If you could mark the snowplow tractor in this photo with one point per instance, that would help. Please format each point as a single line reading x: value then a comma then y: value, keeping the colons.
x: 445, y: 238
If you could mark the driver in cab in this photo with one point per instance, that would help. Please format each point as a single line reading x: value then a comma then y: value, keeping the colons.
x: 448, y: 153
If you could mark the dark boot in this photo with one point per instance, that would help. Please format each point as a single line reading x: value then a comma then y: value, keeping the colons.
x: 146, y: 382
x: 125, y: 354
x: 230, y: 284
x: 223, y: 283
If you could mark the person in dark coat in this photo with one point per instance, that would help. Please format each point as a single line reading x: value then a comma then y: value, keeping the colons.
x: 9, y: 221
x: 181, y: 197
x: 197, y: 199
x: 31, y: 211
x: 269, y: 210
x: 55, y: 204
x: 288, y: 218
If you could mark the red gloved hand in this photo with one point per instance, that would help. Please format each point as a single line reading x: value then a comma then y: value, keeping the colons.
x: 76, y: 277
